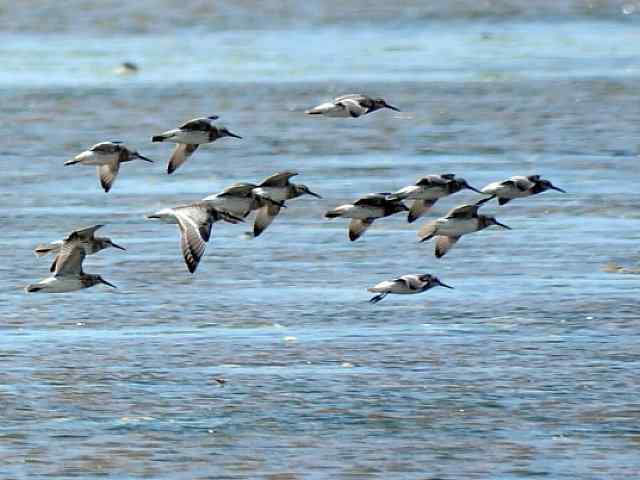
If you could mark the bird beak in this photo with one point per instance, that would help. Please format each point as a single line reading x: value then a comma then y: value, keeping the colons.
x: 553, y: 187
x: 392, y: 107
x: 233, y: 135
x: 117, y: 246
x: 445, y: 285
x: 472, y: 188
x: 107, y: 283
x: 502, y: 225
x: 313, y: 194
x: 144, y: 158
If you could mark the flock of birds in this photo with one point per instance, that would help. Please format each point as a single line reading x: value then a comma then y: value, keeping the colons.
x: 268, y: 198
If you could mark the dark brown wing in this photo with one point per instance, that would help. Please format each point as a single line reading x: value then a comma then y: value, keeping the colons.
x: 180, y: 154
x: 238, y: 190
x: 69, y: 260
x: 84, y: 234
x: 264, y: 217
x: 463, y: 211
x: 197, y: 124
x: 372, y: 200
x: 280, y: 179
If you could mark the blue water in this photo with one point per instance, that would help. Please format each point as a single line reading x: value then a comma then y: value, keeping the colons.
x: 527, y: 369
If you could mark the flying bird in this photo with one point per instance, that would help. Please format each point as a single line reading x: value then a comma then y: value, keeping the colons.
x: 427, y: 190
x: 83, y: 238
x: 68, y: 275
x: 353, y: 105
x: 365, y: 211
x: 406, y: 285
x: 278, y: 188
x: 459, y: 221
x: 189, y: 136
x: 107, y: 156
x: 519, y: 187
x: 195, y: 222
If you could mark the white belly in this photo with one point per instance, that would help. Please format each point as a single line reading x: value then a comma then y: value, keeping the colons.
x: 505, y: 191
x: 356, y: 211
x: 188, y: 137
x: 392, y: 287
x: 274, y: 193
x: 60, y: 284
x: 93, y: 158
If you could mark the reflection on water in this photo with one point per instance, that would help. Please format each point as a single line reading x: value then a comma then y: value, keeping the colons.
x: 527, y: 368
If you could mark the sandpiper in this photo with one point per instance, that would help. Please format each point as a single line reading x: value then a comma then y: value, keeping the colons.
x: 518, y: 187
x: 68, y: 275
x: 406, y: 285
x: 278, y: 188
x: 107, y: 156
x: 352, y: 105
x: 459, y: 221
x: 84, y: 238
x: 189, y: 136
x: 427, y: 190
x: 240, y: 199
x: 195, y: 222
x: 365, y: 210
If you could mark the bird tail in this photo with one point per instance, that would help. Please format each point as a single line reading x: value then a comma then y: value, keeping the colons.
x: 332, y: 214
x: 71, y: 162
x: 158, y: 138
x: 32, y: 288
x: 44, y: 249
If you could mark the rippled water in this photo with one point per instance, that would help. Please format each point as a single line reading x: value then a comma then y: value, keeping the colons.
x: 527, y: 369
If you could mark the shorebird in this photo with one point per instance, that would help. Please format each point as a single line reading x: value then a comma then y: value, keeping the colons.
x: 107, y: 156
x: 459, y: 221
x: 189, y: 136
x: 240, y: 199
x: 126, y: 68
x: 68, y: 275
x: 353, y: 105
x: 365, y: 210
x: 195, y: 222
x: 278, y: 188
x: 84, y: 238
x: 406, y: 285
x: 427, y: 190
x: 518, y: 187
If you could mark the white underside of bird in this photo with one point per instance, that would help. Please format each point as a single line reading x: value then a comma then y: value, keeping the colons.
x: 344, y: 108
x: 89, y: 157
x: 416, y: 192
x: 358, y: 212
x: 455, y: 227
x: 59, y: 284
x: 277, y: 194
x: 189, y: 137
x: 393, y: 286
x: 509, y: 191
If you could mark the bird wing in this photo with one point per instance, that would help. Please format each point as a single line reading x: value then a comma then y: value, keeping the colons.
x: 411, y: 281
x: 444, y: 244
x: 181, y: 153
x: 194, y: 232
x: 357, y: 97
x: 419, y: 208
x: 525, y: 183
x: 85, y: 233
x: 201, y: 215
x: 434, y: 180
x: 238, y: 190
x: 197, y: 124
x: 463, y: 211
x: 106, y: 147
x: 264, y: 217
x: 372, y: 200
x: 69, y: 260
x: 107, y: 173
x: 428, y: 230
x: 280, y: 179
x: 357, y: 227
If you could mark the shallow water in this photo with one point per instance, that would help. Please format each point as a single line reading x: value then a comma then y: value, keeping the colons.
x: 527, y: 369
